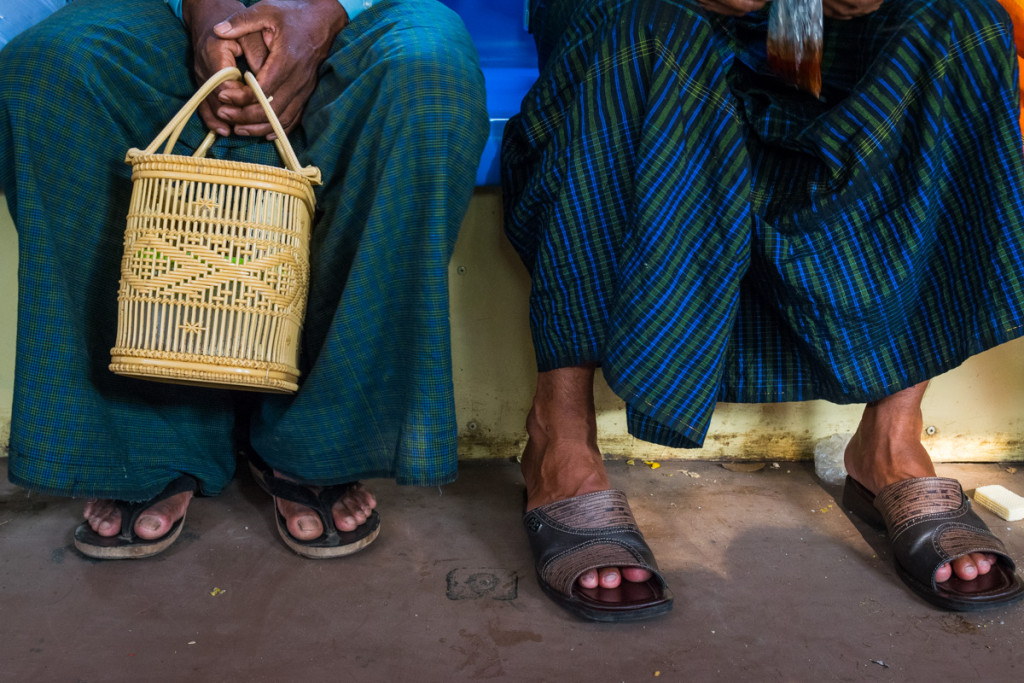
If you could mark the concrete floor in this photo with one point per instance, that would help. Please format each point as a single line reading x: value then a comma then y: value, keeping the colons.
x: 773, y: 582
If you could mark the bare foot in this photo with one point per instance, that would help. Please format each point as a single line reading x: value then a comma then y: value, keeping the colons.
x: 562, y: 460
x: 887, y: 448
x: 105, y: 518
x: 351, y: 510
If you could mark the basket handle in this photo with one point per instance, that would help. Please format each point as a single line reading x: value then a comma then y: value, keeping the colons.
x: 176, y: 125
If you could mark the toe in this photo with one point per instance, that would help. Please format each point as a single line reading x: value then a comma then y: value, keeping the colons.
x: 349, y: 515
x: 363, y: 498
x: 151, y: 526
x: 305, y: 527
x: 588, y: 579
x: 353, y: 509
x: 984, y: 562
x: 346, y: 521
x: 635, y: 574
x: 158, y: 520
x: 103, y: 517
x: 610, y: 577
x: 965, y: 568
x: 302, y: 522
x: 106, y: 527
x: 943, y: 573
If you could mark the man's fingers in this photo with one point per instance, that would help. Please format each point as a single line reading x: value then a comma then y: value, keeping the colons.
x: 211, y: 120
x: 274, y: 75
x: 290, y: 88
x: 238, y: 96
x: 256, y: 130
x: 289, y: 118
x: 244, y: 23
x: 250, y: 120
x: 255, y: 50
x: 222, y: 105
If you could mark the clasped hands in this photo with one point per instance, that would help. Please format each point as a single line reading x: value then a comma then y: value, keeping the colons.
x: 283, y: 42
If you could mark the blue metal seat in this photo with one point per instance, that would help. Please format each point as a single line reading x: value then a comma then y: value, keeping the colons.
x: 509, y: 63
x: 18, y: 15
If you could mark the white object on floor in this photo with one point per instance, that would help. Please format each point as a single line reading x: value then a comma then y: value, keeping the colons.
x: 828, y: 458
x: 1001, y: 501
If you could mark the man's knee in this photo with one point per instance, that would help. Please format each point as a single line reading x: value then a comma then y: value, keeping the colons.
x: 978, y: 16
x: 30, y: 50
x: 83, y: 44
x: 429, y: 72
x: 442, y: 66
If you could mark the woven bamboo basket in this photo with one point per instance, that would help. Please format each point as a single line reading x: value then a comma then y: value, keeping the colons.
x: 216, y: 262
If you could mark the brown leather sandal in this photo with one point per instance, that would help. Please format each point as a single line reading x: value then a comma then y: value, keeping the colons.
x: 930, y: 523
x: 595, y: 530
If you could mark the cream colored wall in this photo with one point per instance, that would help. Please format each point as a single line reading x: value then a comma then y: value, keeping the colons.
x: 976, y: 410
x: 8, y: 308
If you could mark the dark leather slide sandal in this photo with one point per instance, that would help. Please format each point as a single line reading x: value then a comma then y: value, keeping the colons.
x: 929, y: 522
x: 591, y: 531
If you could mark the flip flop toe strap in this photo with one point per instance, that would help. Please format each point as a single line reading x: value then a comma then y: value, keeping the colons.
x: 587, y: 532
x: 320, y: 499
x: 930, y: 523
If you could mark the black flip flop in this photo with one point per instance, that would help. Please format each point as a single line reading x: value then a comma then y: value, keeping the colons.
x: 591, y: 531
x: 332, y: 542
x: 930, y: 523
x: 128, y: 545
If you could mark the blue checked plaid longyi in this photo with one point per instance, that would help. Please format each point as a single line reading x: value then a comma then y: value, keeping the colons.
x: 706, y: 233
x: 397, y: 124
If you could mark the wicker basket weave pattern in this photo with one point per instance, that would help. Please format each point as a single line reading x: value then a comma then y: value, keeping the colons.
x: 215, y: 267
